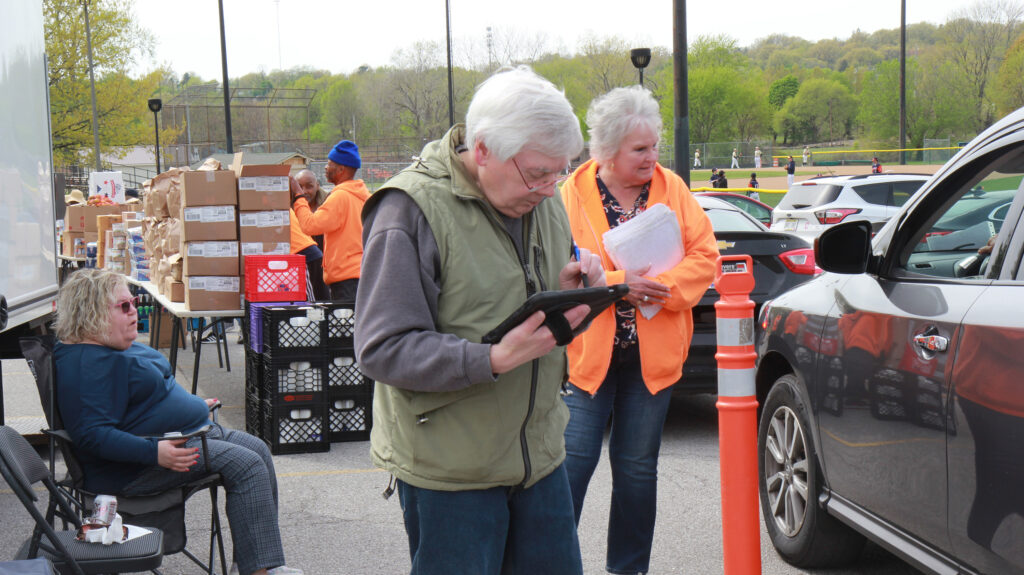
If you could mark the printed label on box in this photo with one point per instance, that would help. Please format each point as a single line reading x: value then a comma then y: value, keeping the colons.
x: 213, y: 283
x: 264, y: 183
x: 264, y: 219
x: 210, y: 214
x: 256, y: 249
x: 213, y: 249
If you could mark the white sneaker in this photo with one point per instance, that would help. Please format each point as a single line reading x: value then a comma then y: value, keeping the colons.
x: 284, y: 570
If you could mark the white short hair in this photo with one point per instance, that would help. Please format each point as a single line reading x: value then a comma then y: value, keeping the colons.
x: 516, y: 109
x: 615, y: 114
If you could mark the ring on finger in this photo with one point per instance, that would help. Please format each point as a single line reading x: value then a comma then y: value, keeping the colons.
x: 646, y: 298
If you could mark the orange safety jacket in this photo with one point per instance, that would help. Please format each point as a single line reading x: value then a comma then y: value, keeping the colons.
x: 300, y: 240
x: 338, y: 219
x: 664, y: 340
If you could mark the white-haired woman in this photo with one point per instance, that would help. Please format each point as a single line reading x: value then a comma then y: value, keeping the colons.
x: 623, y: 366
x: 115, y: 395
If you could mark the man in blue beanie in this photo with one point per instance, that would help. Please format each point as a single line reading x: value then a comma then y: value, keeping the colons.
x: 338, y: 219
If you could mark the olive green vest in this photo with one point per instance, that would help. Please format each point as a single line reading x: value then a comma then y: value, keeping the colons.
x: 481, y: 436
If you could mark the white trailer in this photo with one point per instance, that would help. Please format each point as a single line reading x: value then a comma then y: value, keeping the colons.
x: 28, y: 247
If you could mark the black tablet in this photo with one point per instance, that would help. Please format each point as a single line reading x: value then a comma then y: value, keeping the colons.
x: 554, y: 304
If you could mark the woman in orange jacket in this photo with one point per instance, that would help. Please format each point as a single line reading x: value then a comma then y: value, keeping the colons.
x: 623, y: 366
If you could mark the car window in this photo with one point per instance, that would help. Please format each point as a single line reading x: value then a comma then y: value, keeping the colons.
x: 901, y: 191
x: 731, y: 221
x: 758, y: 211
x: 877, y: 193
x: 973, y: 213
x: 809, y: 195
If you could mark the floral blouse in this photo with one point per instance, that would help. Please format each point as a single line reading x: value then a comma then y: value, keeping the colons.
x: 625, y: 313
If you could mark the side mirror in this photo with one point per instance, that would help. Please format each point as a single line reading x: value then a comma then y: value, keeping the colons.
x: 844, y: 248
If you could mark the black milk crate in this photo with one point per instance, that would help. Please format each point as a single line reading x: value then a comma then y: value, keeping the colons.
x: 341, y: 323
x: 350, y: 416
x: 293, y: 376
x: 295, y: 427
x: 343, y: 374
x: 293, y: 330
x: 253, y: 373
x: 254, y: 407
x: 252, y: 322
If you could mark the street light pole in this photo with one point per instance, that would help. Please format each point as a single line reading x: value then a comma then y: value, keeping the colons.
x: 682, y: 99
x: 640, y: 57
x: 154, y: 106
x: 903, y: 82
x: 451, y: 85
x: 92, y: 89
x: 224, y: 71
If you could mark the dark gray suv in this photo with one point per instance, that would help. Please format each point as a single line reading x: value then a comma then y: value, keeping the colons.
x: 892, y: 385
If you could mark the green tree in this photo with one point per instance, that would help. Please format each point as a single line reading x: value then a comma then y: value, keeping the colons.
x: 823, y: 108
x: 781, y: 90
x: 977, y: 37
x: 1009, y: 90
x: 120, y: 100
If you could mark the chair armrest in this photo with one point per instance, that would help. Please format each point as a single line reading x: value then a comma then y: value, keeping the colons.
x: 215, y: 410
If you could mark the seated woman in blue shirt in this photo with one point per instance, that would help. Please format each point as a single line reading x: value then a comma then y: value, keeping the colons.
x: 114, y: 395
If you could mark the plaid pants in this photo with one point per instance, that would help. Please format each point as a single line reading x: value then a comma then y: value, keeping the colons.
x: 247, y: 468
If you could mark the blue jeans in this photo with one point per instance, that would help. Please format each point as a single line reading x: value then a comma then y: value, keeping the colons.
x: 492, y: 531
x: 637, y: 419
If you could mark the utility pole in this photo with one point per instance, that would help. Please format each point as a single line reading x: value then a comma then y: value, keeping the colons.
x: 682, y: 104
x: 92, y: 89
x: 227, y: 91
x: 903, y: 82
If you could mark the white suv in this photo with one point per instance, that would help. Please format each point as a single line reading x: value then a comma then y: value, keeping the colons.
x: 813, y: 205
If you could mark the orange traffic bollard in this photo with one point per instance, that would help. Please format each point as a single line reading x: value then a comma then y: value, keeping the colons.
x: 737, y: 415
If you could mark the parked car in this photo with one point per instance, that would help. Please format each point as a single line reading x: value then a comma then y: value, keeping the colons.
x: 893, y: 384
x: 811, y: 206
x: 762, y: 212
x: 781, y: 261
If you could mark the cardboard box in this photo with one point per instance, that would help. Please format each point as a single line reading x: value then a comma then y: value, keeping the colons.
x: 264, y: 227
x: 211, y: 258
x: 264, y: 249
x: 83, y: 218
x: 209, y: 223
x: 263, y: 187
x: 173, y: 290
x: 204, y: 293
x: 105, y: 223
x: 68, y: 243
x: 208, y: 188
x: 163, y: 338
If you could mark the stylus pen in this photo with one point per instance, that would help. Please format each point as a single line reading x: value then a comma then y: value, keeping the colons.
x: 576, y: 252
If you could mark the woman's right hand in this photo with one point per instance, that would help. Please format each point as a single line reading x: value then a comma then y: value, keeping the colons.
x: 171, y: 455
x: 641, y: 287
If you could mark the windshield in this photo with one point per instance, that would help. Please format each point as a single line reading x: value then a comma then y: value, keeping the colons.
x: 731, y: 221
x: 809, y: 196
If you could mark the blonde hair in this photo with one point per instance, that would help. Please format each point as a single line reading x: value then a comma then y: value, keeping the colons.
x: 83, y: 305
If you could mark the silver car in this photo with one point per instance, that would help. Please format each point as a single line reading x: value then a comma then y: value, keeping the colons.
x: 811, y: 206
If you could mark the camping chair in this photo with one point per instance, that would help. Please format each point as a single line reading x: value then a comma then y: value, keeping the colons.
x: 22, y: 468
x: 165, y: 511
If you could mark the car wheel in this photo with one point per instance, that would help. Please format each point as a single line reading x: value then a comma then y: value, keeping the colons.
x: 803, y: 533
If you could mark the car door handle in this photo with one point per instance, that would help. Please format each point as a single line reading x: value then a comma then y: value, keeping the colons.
x: 931, y: 342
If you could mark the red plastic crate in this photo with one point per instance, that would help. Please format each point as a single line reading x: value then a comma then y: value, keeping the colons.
x: 275, y: 278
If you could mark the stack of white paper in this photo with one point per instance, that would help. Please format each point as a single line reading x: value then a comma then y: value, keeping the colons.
x: 652, y: 239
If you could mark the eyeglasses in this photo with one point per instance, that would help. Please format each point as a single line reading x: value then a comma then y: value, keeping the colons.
x: 559, y: 178
x: 128, y: 304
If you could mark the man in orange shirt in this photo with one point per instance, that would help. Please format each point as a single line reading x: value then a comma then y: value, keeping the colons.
x: 338, y: 219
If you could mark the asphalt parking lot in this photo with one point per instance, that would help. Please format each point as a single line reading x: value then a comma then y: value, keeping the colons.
x: 334, y: 520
